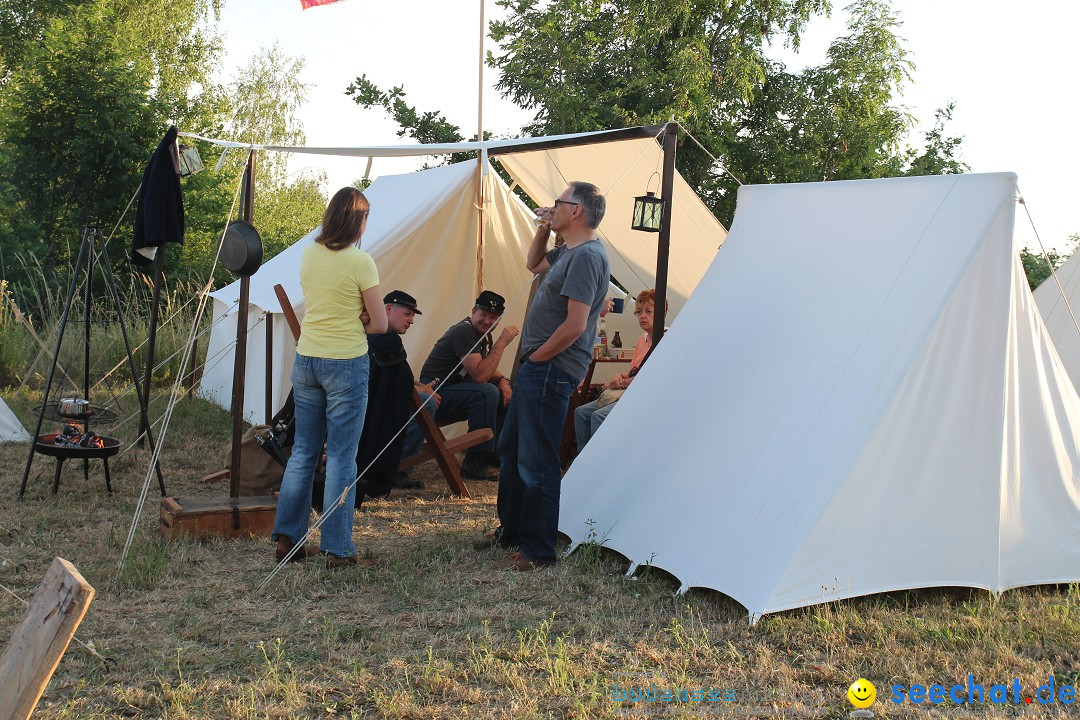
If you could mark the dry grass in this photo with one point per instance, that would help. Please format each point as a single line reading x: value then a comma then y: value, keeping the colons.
x: 436, y: 632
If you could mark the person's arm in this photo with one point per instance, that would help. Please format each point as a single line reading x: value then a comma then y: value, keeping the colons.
x: 577, y: 319
x: 503, y: 383
x: 482, y: 370
x: 537, y: 259
x: 376, y: 323
x: 616, y: 383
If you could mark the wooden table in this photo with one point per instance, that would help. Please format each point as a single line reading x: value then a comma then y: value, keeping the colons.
x: 568, y: 446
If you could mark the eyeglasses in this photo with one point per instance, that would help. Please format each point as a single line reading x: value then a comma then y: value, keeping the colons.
x: 564, y: 202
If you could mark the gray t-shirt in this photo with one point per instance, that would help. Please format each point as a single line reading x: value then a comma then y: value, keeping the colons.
x: 581, y: 273
x: 444, y: 362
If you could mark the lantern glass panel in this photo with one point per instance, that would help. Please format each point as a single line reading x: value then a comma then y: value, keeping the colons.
x: 648, y: 213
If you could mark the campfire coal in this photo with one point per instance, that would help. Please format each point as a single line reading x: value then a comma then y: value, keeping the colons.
x: 75, y: 435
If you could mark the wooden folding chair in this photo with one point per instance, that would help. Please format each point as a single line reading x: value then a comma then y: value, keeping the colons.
x: 438, y: 447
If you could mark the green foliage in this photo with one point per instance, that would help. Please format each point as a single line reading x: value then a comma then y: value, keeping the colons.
x: 1038, y: 266
x: 586, y: 65
x: 938, y: 158
x: 424, y: 127
x: 87, y: 90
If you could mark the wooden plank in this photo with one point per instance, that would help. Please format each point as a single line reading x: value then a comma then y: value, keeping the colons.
x: 287, y: 308
x: 456, y: 445
x: 206, y: 519
x: 46, y: 629
x: 218, y: 476
x: 437, y: 442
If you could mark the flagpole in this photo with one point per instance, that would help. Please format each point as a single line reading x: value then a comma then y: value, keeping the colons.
x: 480, y: 161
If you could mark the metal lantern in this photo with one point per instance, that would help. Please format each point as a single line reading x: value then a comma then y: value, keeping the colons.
x: 190, y: 162
x: 648, y: 213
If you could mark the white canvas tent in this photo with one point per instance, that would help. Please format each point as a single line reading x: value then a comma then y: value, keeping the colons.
x: 859, y: 398
x: 11, y: 430
x: 1055, y: 310
x: 422, y: 235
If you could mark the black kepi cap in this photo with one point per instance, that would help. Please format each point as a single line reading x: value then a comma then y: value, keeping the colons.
x: 491, y: 302
x: 402, y: 298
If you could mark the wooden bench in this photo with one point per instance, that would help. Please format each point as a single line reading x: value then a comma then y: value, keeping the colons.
x: 438, y: 447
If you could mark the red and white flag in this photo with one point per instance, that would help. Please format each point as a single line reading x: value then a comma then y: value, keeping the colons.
x: 305, y: 4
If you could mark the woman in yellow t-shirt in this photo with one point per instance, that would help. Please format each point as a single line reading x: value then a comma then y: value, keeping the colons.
x: 330, y: 379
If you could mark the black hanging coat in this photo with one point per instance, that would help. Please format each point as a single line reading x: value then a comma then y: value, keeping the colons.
x: 160, y: 215
x: 389, y: 406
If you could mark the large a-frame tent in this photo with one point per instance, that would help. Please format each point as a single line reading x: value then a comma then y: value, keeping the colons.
x: 1059, y: 305
x: 859, y: 397
x: 11, y: 430
x: 423, y: 237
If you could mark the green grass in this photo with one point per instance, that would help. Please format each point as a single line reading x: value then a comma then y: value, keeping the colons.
x: 436, y: 631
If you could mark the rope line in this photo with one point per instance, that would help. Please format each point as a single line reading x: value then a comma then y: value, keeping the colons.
x: 1046, y: 256
x: 179, y: 378
x: 714, y: 158
x: 328, y: 508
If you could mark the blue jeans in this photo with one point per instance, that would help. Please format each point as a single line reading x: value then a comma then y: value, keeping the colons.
x: 479, y: 403
x: 587, y: 420
x: 331, y: 398
x: 530, y: 478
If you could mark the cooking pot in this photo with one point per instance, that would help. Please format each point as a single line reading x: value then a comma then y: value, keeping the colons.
x: 241, y: 248
x: 74, y: 408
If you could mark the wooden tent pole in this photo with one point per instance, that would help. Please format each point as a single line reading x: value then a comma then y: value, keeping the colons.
x: 664, y: 245
x: 240, y: 351
x: 480, y: 161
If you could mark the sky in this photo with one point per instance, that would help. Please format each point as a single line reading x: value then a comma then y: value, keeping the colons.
x: 1009, y: 67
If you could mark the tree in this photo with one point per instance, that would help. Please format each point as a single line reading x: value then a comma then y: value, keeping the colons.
x: 587, y: 65
x: 264, y: 98
x: 87, y: 90
x: 1038, y: 267
x: 938, y: 158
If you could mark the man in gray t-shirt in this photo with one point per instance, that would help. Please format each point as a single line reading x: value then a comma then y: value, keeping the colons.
x: 556, y: 344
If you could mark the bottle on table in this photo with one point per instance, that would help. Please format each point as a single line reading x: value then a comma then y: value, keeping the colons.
x: 603, y: 338
x: 616, y: 345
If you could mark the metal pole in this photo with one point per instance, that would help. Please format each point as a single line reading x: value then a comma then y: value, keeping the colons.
x: 55, y: 358
x: 115, y: 295
x: 159, y: 276
x: 664, y: 245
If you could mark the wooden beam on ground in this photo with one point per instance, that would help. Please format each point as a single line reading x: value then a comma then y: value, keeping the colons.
x: 35, y: 649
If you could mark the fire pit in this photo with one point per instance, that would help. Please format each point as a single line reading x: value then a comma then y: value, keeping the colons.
x: 99, y: 447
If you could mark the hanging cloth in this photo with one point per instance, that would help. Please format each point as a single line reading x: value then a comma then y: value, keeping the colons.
x: 160, y: 215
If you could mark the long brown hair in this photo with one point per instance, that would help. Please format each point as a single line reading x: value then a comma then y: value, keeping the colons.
x: 343, y: 219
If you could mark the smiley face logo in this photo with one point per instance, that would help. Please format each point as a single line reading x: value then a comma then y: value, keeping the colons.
x: 862, y: 693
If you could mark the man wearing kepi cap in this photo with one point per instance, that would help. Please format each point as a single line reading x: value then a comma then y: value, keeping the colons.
x: 467, y: 359
x: 389, y: 407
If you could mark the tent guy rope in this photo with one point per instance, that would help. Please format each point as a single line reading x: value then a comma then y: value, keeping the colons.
x: 328, y: 508
x: 167, y: 416
x: 1046, y: 256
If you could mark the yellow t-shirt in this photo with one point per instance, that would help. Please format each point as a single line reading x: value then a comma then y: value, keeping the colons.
x: 332, y: 281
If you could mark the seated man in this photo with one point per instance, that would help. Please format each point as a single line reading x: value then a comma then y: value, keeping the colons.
x: 475, y: 390
x: 389, y: 399
x: 390, y: 387
x: 589, y: 417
